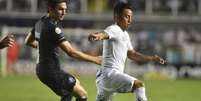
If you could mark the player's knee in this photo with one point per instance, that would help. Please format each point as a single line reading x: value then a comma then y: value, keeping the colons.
x: 79, y: 91
x: 138, y: 84
x: 83, y: 95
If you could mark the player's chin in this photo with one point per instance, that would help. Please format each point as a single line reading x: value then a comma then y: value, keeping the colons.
x: 61, y: 18
x: 126, y: 28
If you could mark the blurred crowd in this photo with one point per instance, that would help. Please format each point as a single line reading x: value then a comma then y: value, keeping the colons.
x: 76, y: 6
x: 180, y: 46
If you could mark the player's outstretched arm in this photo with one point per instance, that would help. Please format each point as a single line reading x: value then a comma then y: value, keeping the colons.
x: 67, y: 47
x: 98, y: 36
x: 7, y: 41
x: 31, y: 41
x: 136, y: 56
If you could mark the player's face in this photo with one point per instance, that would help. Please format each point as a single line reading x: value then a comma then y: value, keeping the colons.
x: 60, y: 11
x: 125, y: 19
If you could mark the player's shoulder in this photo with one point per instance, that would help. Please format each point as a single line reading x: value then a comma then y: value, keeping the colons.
x: 43, y: 22
x: 114, y: 28
x: 47, y: 22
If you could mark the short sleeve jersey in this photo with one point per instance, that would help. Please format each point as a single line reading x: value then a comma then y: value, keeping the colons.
x: 49, y: 35
x: 116, y: 47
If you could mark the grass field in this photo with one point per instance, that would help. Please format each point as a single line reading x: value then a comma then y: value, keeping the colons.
x: 29, y: 88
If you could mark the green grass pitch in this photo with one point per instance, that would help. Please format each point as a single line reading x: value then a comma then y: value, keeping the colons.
x: 29, y: 88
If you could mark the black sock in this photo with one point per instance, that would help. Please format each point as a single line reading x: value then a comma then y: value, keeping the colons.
x: 67, y: 98
x: 80, y: 99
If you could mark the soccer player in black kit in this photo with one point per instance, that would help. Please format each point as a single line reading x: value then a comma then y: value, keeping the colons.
x: 47, y: 36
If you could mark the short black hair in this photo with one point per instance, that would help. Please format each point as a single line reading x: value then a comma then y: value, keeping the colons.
x: 120, y: 6
x: 53, y: 3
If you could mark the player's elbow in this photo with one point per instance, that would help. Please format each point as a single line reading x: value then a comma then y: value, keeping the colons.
x: 32, y: 44
x: 72, y: 53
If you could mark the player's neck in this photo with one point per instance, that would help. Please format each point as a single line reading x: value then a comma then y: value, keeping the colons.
x: 121, y: 27
x: 52, y: 18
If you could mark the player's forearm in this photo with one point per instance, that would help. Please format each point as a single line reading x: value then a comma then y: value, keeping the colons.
x: 98, y: 36
x: 31, y: 41
x: 136, y: 56
x: 73, y: 52
x: 34, y: 45
x: 104, y: 35
x: 82, y: 56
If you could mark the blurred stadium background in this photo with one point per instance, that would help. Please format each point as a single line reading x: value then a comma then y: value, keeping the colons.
x: 169, y: 28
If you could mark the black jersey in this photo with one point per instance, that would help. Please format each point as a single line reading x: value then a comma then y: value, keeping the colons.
x: 49, y: 35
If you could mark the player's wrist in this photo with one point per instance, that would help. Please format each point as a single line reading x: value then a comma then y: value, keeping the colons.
x: 151, y: 58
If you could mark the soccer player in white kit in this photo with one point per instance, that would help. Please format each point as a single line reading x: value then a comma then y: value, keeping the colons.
x: 116, y: 48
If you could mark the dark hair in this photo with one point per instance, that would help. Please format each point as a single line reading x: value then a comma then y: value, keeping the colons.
x: 53, y: 3
x: 120, y: 6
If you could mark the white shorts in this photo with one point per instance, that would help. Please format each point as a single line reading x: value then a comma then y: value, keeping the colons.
x: 110, y: 81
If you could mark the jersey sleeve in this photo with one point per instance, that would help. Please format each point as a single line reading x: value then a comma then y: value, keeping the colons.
x: 57, y: 35
x: 35, y: 34
x: 111, y: 31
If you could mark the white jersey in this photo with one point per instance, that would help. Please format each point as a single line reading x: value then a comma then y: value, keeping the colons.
x: 111, y: 77
x: 115, y: 48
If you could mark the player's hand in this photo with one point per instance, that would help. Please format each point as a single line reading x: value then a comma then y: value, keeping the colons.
x: 98, y: 60
x: 158, y: 59
x: 8, y: 41
x: 94, y: 37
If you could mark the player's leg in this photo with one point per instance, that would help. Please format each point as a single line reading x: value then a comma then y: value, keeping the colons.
x: 79, y: 92
x: 66, y: 98
x: 66, y: 87
x: 125, y: 83
x: 60, y: 82
x: 63, y: 85
x: 103, y: 95
x: 113, y: 81
x: 101, y: 84
x: 139, y: 89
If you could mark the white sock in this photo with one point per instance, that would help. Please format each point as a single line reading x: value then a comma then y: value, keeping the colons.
x: 140, y: 94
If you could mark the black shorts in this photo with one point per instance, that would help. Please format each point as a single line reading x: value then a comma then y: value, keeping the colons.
x: 60, y: 82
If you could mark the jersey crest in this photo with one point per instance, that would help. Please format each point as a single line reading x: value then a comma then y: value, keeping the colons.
x: 57, y: 30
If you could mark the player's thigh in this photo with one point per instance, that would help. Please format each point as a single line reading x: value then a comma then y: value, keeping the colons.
x: 60, y: 82
x: 121, y: 81
x: 103, y: 95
